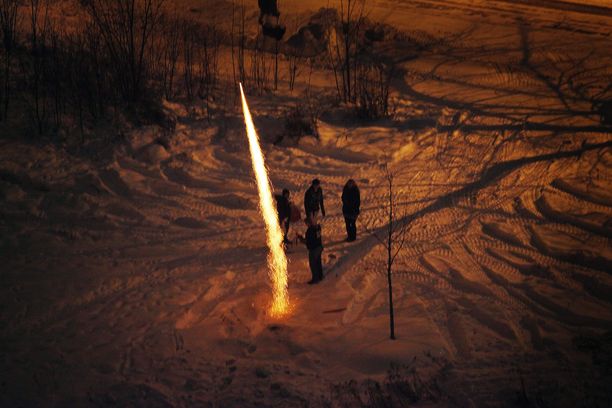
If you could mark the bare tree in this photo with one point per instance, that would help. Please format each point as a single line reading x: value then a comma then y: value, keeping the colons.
x: 126, y: 27
x: 200, y: 46
x: 238, y: 64
x: 294, y: 69
x: 343, y: 51
x: 79, y: 73
x: 189, y: 60
x: 56, y: 77
x: 276, y: 51
x: 39, y: 29
x: 208, y: 62
x: 98, y: 91
x: 259, y: 69
x: 169, y: 51
x: 8, y: 28
x: 391, y: 236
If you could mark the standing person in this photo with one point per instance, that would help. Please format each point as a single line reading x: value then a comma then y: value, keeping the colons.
x: 313, y: 200
x: 314, y: 244
x: 350, y: 208
x: 283, y: 207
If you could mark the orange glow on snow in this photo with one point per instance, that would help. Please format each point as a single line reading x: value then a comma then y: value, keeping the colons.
x: 277, y: 261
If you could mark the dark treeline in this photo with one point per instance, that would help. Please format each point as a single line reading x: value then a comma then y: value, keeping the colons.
x: 123, y: 57
x: 118, y: 62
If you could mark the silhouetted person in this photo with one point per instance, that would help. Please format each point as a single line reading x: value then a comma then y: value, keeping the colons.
x: 604, y: 108
x: 268, y: 11
x: 283, y: 207
x: 315, y: 249
x: 313, y: 200
x: 269, y: 8
x: 350, y: 208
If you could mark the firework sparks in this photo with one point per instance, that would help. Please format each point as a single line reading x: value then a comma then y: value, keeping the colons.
x: 277, y: 261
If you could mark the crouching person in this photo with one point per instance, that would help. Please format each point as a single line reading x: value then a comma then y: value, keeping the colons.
x: 315, y: 250
x: 283, y: 208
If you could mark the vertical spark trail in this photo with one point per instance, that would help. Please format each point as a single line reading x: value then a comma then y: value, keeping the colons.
x: 277, y: 261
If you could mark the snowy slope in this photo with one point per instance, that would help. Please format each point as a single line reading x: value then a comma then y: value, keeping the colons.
x: 139, y: 279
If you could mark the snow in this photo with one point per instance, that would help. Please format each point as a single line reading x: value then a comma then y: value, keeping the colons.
x: 140, y: 278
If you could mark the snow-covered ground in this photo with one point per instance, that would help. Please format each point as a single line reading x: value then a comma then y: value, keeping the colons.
x: 139, y: 278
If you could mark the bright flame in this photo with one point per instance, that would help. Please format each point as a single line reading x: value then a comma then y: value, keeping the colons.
x: 277, y: 261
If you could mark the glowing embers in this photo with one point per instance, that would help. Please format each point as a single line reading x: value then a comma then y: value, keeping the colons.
x: 277, y: 261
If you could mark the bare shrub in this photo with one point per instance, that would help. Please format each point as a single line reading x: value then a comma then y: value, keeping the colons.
x: 200, y: 52
x: 167, y: 57
x: 8, y: 29
x: 297, y: 123
x: 362, y: 76
x: 70, y: 78
x: 39, y: 29
x: 238, y: 44
x: 302, y: 119
x: 294, y: 69
x: 403, y: 386
x: 373, y: 87
x: 126, y: 28
x: 260, y: 71
x: 344, y: 47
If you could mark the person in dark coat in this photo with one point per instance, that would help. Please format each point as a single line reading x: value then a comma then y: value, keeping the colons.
x: 313, y: 200
x: 267, y: 7
x: 350, y: 208
x: 314, y: 243
x: 283, y: 207
x: 269, y: 19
